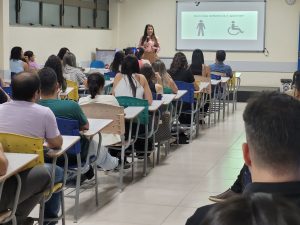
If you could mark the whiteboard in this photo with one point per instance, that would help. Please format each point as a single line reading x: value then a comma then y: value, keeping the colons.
x: 106, y: 56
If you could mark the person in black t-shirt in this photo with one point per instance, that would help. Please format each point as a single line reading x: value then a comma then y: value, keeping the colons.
x: 179, y: 71
x: 271, y: 151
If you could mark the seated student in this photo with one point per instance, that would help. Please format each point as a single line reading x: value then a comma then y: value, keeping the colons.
x: 115, y: 66
x: 198, y: 68
x: 201, y: 72
x: 54, y: 62
x: 129, y: 51
x: 62, y: 53
x: 244, y: 177
x: 219, y: 65
x: 40, y: 122
x: 179, y: 70
x: 130, y: 83
x: 168, y: 83
x: 35, y: 182
x: 139, y: 54
x: 272, y: 149
x: 30, y: 58
x: 295, y: 90
x: 153, y: 79
x: 259, y: 208
x: 71, y: 72
x: 62, y: 108
x: 96, y: 83
x: 16, y: 63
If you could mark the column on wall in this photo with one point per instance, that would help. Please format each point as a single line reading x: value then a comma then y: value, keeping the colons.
x: 4, y: 36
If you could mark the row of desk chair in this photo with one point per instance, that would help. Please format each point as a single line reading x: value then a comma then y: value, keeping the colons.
x: 139, y: 115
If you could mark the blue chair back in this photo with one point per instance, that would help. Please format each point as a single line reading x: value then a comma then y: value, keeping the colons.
x: 126, y: 101
x: 189, y: 96
x: 70, y: 128
x: 110, y: 74
x: 215, y: 77
x: 7, y: 90
x: 97, y: 64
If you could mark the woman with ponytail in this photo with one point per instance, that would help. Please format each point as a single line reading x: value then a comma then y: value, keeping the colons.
x: 95, y: 83
x: 130, y: 83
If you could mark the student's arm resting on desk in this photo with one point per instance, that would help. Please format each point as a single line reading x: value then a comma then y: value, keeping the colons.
x: 54, y: 143
x: 3, y: 162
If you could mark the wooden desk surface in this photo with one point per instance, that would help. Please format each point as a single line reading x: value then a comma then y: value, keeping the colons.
x: 180, y: 93
x: 66, y: 92
x: 132, y: 112
x: 224, y: 79
x: 203, y: 85
x: 68, y: 142
x: 238, y: 74
x: 96, y: 125
x: 100, y: 70
x: 168, y: 98
x: 16, y: 162
x: 215, y: 82
x: 155, y: 105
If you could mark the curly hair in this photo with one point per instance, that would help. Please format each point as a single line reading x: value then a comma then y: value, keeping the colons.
x: 179, y: 62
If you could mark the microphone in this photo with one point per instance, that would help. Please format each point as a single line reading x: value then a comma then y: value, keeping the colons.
x: 148, y: 38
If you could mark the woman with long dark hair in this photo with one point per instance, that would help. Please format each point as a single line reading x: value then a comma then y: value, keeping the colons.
x: 149, y: 42
x: 129, y: 82
x: 198, y: 67
x: 17, y: 62
x: 95, y: 83
x: 115, y: 66
x: 54, y: 62
x: 179, y: 70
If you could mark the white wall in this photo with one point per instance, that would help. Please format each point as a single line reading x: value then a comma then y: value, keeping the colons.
x: 127, y: 22
x: 45, y: 41
x: 282, y: 31
x: 4, y: 37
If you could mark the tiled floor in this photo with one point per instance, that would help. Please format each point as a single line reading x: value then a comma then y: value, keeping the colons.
x: 173, y: 190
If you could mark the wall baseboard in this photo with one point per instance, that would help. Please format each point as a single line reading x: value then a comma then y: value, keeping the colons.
x: 246, y: 92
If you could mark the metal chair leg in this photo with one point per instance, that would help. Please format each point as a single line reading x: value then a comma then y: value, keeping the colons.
x: 158, y: 154
x: 63, y: 213
x: 78, y: 177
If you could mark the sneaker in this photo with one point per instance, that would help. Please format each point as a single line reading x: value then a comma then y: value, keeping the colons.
x: 126, y: 166
x: 223, y: 196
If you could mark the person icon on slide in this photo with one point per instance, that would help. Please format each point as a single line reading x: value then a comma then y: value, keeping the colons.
x: 201, y: 27
x: 234, y: 30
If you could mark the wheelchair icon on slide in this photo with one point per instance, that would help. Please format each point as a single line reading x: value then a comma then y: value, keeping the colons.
x: 234, y: 30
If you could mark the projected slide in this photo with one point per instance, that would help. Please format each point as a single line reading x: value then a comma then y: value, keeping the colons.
x: 211, y: 25
x: 219, y: 25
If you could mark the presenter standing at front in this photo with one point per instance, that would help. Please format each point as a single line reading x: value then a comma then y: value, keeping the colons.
x: 149, y: 42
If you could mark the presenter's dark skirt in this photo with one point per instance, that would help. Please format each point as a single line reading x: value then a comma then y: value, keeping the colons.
x: 151, y: 56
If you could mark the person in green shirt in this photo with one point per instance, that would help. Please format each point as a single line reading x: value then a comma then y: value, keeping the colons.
x: 69, y: 109
x: 66, y: 109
